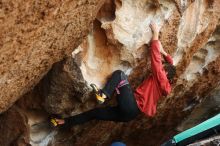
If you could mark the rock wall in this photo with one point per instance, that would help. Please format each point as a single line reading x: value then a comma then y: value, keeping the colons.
x: 36, y: 34
x: 119, y: 39
x: 14, y: 128
x: 207, y: 142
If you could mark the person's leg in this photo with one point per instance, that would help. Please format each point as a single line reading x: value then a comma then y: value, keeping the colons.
x: 125, y: 111
x: 127, y: 103
x: 116, y: 78
x: 106, y: 114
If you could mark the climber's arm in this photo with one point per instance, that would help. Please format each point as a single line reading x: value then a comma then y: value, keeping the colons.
x: 156, y: 64
x: 155, y: 36
x: 167, y: 56
x: 155, y: 31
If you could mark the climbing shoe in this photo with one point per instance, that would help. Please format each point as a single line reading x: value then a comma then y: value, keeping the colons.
x: 53, y: 122
x: 100, y: 96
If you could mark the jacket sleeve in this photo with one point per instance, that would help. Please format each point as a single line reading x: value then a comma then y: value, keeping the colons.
x: 157, y: 68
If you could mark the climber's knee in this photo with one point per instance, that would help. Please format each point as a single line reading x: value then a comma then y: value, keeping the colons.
x: 120, y: 74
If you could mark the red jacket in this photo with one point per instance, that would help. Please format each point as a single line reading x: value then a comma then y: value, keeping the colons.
x: 156, y: 85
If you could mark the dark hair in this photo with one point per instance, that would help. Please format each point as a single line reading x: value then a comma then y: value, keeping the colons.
x: 171, y: 71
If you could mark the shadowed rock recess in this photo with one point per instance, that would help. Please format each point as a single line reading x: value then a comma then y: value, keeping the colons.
x: 52, y: 50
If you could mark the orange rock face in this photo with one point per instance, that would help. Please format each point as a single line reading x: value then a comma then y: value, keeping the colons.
x: 34, y: 35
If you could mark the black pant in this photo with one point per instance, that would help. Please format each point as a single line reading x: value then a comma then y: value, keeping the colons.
x: 125, y: 110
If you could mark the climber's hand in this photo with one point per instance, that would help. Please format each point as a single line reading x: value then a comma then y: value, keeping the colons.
x: 155, y: 31
x: 154, y: 28
x: 60, y: 121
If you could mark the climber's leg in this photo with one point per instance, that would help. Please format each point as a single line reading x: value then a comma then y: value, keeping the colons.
x: 106, y: 114
x: 126, y: 102
x: 117, y: 79
x: 113, y: 82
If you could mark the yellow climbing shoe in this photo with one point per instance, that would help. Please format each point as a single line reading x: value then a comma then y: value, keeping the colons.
x: 53, y: 122
x: 99, y: 95
x: 100, y: 99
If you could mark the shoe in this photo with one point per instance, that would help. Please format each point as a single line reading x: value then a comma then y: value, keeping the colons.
x: 53, y: 122
x: 99, y: 95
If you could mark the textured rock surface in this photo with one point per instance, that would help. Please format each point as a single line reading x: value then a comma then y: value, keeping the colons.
x: 190, y: 32
x: 14, y: 128
x: 117, y: 41
x: 213, y: 141
x: 34, y: 35
x: 206, y: 108
x: 68, y: 90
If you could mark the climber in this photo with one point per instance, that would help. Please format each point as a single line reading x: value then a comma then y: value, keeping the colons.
x: 130, y: 104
